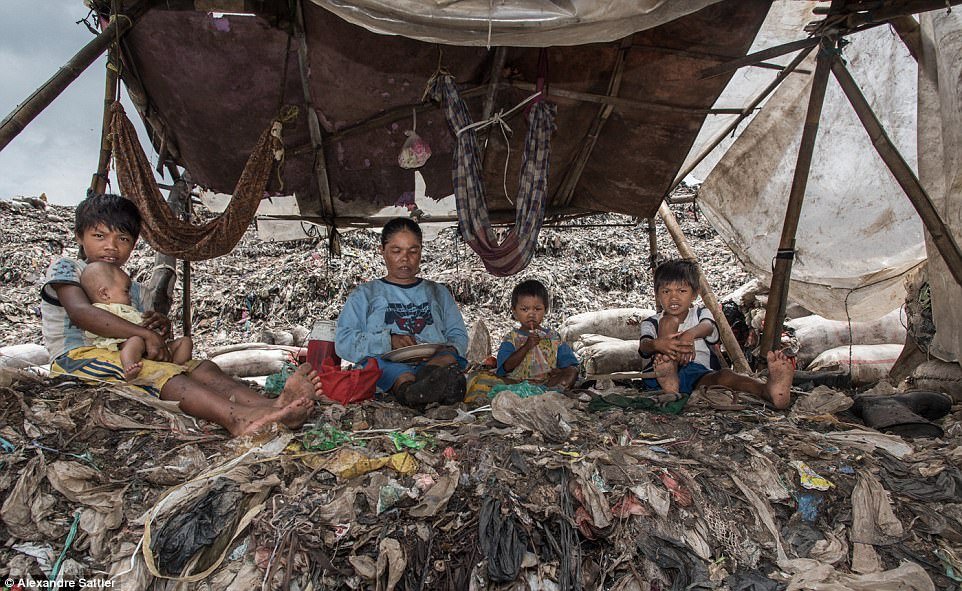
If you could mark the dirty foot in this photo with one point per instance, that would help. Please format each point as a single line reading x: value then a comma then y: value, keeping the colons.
x: 303, y: 383
x: 293, y: 415
x: 666, y: 372
x: 780, y: 372
x: 132, y: 370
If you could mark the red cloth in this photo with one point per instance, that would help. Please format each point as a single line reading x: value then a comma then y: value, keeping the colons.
x: 345, y: 386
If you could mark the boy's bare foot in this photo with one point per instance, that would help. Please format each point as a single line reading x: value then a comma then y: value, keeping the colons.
x: 666, y: 372
x: 779, y: 386
x: 303, y: 383
x: 132, y: 370
x: 293, y: 415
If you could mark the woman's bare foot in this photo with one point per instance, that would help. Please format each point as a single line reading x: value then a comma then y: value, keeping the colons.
x: 132, y: 370
x: 293, y: 415
x: 780, y: 373
x: 303, y: 383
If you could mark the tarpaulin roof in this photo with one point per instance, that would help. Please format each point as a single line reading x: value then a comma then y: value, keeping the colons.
x: 210, y: 83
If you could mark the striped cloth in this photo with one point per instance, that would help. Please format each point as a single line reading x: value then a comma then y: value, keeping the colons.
x: 513, y: 253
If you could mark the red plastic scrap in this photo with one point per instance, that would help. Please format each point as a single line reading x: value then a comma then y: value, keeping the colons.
x: 678, y: 492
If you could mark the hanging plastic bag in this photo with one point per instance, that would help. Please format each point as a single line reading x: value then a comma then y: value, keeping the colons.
x: 345, y: 386
x: 415, y: 151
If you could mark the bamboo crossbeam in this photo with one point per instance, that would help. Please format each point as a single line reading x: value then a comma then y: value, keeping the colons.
x: 759, y: 56
x: 313, y: 123
x: 720, y: 137
x: 41, y: 98
x: 781, y: 275
x: 573, y: 174
x: 707, y: 295
x: 941, y: 235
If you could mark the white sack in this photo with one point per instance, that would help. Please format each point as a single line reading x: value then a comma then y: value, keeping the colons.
x: 940, y: 165
x: 869, y: 363
x: 23, y: 356
x: 816, y: 334
x: 610, y: 357
x: 858, y: 234
x: 619, y: 323
x: 257, y: 362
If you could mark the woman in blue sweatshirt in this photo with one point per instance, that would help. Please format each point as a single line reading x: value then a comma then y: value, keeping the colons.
x: 400, y: 310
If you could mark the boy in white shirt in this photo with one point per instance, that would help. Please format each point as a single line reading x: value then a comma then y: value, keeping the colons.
x: 676, y: 341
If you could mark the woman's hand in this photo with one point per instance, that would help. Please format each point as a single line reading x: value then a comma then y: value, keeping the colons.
x: 157, y: 322
x: 402, y: 340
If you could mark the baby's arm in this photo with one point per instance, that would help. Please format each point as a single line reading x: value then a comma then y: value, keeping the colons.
x: 101, y: 322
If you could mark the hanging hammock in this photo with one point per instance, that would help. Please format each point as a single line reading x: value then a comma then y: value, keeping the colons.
x: 514, y: 252
x: 162, y: 229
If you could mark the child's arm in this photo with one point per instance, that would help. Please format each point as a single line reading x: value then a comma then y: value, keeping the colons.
x: 517, y: 357
x: 83, y: 314
x: 702, y: 330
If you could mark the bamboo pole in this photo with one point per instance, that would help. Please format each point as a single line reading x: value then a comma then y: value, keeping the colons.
x: 652, y: 245
x: 911, y: 34
x: 782, y: 272
x: 707, y: 295
x: 314, y: 125
x: 41, y: 98
x: 98, y: 184
x: 759, y: 56
x: 720, y: 137
x: 573, y: 174
x: 941, y: 235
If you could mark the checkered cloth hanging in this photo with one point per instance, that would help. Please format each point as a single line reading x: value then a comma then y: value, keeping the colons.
x: 514, y: 252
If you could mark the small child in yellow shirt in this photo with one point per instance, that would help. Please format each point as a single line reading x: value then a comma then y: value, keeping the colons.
x: 532, y: 352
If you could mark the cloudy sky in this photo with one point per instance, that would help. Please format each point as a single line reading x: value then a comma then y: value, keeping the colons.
x: 57, y: 153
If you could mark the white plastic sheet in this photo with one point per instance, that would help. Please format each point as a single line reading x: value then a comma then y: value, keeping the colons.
x: 858, y: 233
x: 519, y: 23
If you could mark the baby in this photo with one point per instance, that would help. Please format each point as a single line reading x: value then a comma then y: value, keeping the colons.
x: 108, y: 288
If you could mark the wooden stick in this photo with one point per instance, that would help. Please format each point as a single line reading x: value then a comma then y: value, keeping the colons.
x: 748, y: 110
x: 497, y: 65
x: 41, y: 98
x: 781, y: 275
x: 941, y: 234
x: 98, y: 184
x: 910, y: 32
x: 707, y: 295
x: 652, y: 245
x: 314, y: 125
x: 759, y: 56
x: 573, y: 174
x: 621, y: 103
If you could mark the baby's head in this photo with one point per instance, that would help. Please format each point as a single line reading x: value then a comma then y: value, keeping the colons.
x: 676, y: 286
x: 529, y: 303
x: 105, y: 284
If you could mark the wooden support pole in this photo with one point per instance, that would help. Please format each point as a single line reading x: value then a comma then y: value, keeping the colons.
x: 313, y: 123
x: 720, y: 137
x: 98, y: 184
x: 497, y: 65
x: 759, y: 56
x: 652, y: 245
x: 159, y: 292
x: 910, y: 33
x: 782, y: 273
x: 707, y: 295
x: 941, y: 235
x: 577, y: 167
x: 41, y: 98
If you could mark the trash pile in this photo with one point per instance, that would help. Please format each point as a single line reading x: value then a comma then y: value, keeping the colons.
x: 553, y: 492
x: 274, y: 287
x: 510, y: 493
